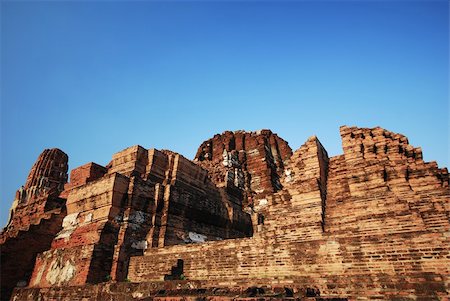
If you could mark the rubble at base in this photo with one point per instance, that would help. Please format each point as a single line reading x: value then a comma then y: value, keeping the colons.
x: 178, y: 290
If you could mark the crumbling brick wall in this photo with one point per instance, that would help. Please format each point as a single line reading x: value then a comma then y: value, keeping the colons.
x: 35, y: 219
x: 251, y: 161
x: 369, y: 223
x: 142, y: 199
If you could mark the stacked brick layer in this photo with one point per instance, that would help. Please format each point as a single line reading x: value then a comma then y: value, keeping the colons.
x: 252, y: 161
x: 35, y: 218
x: 371, y: 223
x: 40, y: 193
x: 142, y: 199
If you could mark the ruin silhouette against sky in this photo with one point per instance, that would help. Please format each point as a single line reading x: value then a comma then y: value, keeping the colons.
x: 92, y: 78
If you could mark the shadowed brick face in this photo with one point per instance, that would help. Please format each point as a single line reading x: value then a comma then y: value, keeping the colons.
x: 247, y: 218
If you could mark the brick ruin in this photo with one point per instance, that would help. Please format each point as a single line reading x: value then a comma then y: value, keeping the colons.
x: 253, y: 162
x: 35, y: 218
x: 247, y: 218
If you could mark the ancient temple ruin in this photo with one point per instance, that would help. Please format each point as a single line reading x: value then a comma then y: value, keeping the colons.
x: 248, y: 217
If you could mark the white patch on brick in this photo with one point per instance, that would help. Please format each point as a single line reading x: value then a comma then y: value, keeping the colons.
x: 137, y: 217
x: 226, y: 161
x: 196, y: 237
x: 139, y: 245
x: 59, y: 273
x: 239, y: 180
x: 70, y: 220
x: 263, y: 202
x: 288, y: 174
x: 70, y: 223
x: 137, y: 295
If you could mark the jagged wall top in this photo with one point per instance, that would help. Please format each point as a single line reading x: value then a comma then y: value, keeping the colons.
x: 49, y: 171
x: 40, y: 193
x: 251, y: 161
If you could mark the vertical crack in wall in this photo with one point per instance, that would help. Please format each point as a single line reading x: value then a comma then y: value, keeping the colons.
x: 322, y: 156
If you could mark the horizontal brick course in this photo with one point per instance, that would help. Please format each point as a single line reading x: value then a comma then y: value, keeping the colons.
x: 371, y: 223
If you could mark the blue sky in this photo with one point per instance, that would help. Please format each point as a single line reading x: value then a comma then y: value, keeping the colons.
x: 93, y: 78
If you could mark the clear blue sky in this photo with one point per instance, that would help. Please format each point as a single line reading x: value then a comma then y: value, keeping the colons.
x: 93, y: 78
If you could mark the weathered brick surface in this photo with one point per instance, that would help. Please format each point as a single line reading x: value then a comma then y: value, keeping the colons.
x: 82, y: 175
x: 340, y: 225
x: 40, y: 193
x: 371, y: 223
x: 252, y: 161
x: 35, y: 218
x: 142, y: 199
x: 81, y: 250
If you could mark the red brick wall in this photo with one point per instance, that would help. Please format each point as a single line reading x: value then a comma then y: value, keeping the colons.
x: 370, y: 224
x: 117, y: 215
x: 375, y: 235
x: 35, y: 219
